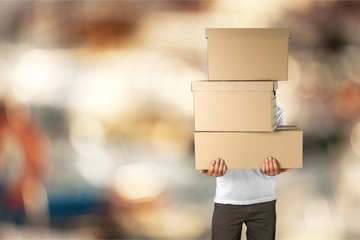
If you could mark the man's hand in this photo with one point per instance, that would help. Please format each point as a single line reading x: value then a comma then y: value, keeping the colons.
x: 216, y: 169
x: 271, y: 168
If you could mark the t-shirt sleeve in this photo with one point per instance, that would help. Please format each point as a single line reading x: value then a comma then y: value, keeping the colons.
x: 280, y: 116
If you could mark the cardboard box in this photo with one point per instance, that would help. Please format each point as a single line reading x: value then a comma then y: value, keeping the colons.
x: 235, y: 106
x: 247, y: 150
x: 247, y: 54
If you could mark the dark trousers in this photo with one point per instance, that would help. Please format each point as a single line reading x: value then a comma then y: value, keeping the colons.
x: 260, y: 220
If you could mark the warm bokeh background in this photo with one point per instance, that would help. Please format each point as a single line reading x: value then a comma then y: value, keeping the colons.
x: 96, y: 117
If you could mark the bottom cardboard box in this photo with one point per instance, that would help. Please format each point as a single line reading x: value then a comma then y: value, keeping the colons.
x: 247, y: 150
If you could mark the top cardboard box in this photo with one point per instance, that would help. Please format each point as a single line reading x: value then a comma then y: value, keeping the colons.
x: 236, y: 54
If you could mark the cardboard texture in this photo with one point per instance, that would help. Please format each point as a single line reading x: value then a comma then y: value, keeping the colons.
x: 247, y: 150
x: 235, y: 111
x: 234, y: 106
x: 247, y: 54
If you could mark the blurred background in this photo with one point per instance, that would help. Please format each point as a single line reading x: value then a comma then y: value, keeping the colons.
x: 96, y: 121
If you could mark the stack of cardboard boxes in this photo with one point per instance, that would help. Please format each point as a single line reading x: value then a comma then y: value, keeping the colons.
x: 235, y: 109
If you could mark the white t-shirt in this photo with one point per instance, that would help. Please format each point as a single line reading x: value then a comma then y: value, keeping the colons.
x: 249, y: 186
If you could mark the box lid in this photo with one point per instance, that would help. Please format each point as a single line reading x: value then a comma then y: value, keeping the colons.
x: 247, y: 32
x: 235, y: 86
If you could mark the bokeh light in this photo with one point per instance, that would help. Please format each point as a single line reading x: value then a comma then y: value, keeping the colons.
x: 138, y: 182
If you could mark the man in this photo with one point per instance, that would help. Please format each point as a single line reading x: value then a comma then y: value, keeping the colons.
x: 245, y: 197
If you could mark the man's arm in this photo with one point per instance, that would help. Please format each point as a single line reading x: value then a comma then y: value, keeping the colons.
x: 217, y: 168
x: 271, y: 168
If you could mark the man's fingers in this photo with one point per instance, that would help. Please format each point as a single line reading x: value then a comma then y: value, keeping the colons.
x: 219, y: 168
x: 212, y: 167
x: 263, y: 167
x: 221, y: 165
x: 216, y: 166
x: 267, y: 169
x: 276, y: 167
x: 271, y: 167
x: 224, y: 169
x: 271, y: 164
